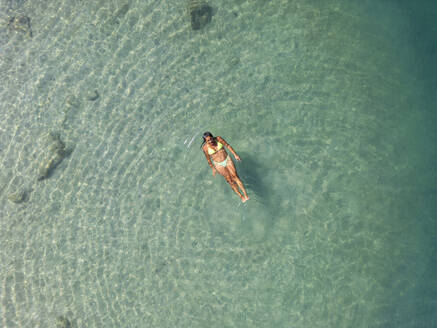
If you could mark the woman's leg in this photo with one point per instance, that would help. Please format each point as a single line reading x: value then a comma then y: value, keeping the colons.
x: 223, y: 171
x: 234, y: 176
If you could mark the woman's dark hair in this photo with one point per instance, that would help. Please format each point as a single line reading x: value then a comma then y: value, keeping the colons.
x: 206, y: 134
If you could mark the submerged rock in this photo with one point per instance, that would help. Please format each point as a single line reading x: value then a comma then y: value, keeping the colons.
x: 19, y: 197
x: 20, y: 23
x: 93, y: 95
x: 200, y: 14
x: 63, y: 322
x: 58, y: 151
x: 70, y: 110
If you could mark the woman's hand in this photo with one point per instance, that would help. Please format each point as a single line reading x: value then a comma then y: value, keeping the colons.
x: 237, y: 158
x: 214, y: 171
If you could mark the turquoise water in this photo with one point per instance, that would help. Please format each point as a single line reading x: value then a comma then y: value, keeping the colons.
x: 332, y: 108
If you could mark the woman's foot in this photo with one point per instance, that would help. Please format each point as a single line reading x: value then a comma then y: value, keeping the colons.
x: 244, y: 199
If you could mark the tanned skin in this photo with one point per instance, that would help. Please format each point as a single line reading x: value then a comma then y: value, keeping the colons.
x: 229, y: 172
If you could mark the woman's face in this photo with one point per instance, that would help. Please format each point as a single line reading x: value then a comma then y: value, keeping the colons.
x: 210, y: 140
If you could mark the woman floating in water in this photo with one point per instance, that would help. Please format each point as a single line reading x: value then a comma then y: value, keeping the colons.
x: 214, y: 150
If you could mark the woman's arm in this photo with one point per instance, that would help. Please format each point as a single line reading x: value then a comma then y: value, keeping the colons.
x: 209, y: 161
x: 223, y: 141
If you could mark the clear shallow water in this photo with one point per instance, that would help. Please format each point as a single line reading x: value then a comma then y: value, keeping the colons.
x: 331, y: 108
